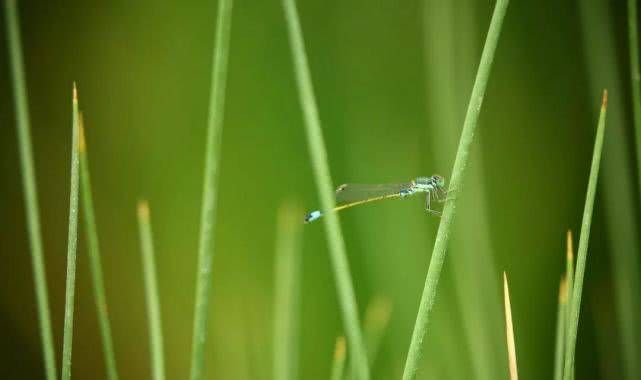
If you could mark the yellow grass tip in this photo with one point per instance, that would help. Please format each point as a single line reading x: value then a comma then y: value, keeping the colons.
x: 378, y: 313
x: 339, y: 351
x: 604, y: 100
x: 143, y: 210
x: 75, y: 93
x: 82, y: 146
x: 569, y: 248
x: 509, y: 331
x: 563, y: 290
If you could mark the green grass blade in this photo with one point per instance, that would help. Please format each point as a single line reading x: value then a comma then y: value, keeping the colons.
x: 29, y: 184
x: 509, y: 331
x: 438, y: 254
x: 620, y: 207
x: 569, y: 278
x: 287, y: 292
x: 318, y: 155
x: 575, y: 300
x: 93, y: 249
x: 151, y: 292
x: 635, y: 77
x: 450, y: 59
x: 559, y: 347
x: 72, y: 243
x: 210, y: 186
x: 338, y: 364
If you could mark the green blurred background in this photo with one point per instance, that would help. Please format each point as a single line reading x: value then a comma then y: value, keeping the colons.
x: 392, y: 81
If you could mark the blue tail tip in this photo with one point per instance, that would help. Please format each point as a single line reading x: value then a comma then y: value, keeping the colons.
x: 312, y: 216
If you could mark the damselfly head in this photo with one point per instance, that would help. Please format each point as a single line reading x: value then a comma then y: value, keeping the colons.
x: 438, y: 180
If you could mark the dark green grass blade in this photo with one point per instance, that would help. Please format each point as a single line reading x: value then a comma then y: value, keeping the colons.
x: 210, y: 187
x: 559, y: 347
x: 29, y: 184
x: 72, y: 244
x: 620, y: 207
x: 93, y: 250
x: 287, y: 293
x: 438, y: 254
x: 575, y: 300
x: 635, y: 78
x: 318, y: 155
x: 151, y: 292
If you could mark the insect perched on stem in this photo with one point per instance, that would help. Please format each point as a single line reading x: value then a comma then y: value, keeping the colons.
x: 349, y: 195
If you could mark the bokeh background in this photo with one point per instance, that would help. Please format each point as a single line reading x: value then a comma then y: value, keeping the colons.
x: 392, y: 81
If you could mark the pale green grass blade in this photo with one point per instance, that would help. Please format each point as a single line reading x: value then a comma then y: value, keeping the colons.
x: 287, y: 285
x: 584, y: 239
x: 559, y: 347
x: 450, y: 59
x: 72, y: 244
x: 620, y: 206
x: 569, y: 276
x: 318, y: 155
x: 509, y: 331
x: 29, y: 184
x: 151, y: 292
x: 438, y: 254
x: 635, y: 77
x: 338, y: 364
x: 210, y: 187
x: 93, y: 250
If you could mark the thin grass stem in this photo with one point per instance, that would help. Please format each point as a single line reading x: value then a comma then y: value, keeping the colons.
x: 338, y: 364
x: 93, y: 250
x: 151, y: 292
x: 635, y: 78
x: 210, y: 187
x: 72, y: 244
x: 569, y: 275
x: 584, y: 239
x: 23, y: 128
x: 438, y: 254
x: 287, y: 292
x: 559, y: 347
x: 318, y: 155
x: 509, y: 331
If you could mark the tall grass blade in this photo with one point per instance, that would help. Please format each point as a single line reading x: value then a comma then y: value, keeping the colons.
x: 438, y: 254
x: 29, y: 184
x: 635, y: 77
x: 599, y: 44
x: 72, y: 244
x: 318, y: 155
x: 450, y: 58
x: 569, y: 278
x: 575, y: 300
x: 287, y: 292
x: 151, y: 292
x: 93, y: 248
x: 509, y: 331
x: 210, y: 185
x: 559, y: 347
x: 338, y: 364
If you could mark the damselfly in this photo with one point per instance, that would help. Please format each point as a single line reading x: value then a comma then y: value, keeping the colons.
x: 349, y: 195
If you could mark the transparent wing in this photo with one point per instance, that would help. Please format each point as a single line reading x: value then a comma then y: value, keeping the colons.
x: 354, y: 192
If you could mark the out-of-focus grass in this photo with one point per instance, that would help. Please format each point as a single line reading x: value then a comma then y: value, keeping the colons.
x: 72, y: 243
x: 509, y: 331
x: 338, y: 363
x: 561, y: 322
x: 151, y: 292
x: 210, y: 186
x: 320, y: 165
x: 93, y: 250
x: 635, y: 78
x: 23, y: 125
x: 622, y: 222
x: 450, y: 59
x: 287, y: 288
x: 584, y: 239
x: 469, y: 127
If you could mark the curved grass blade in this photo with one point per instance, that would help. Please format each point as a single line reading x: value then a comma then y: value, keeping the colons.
x: 151, y: 292
x: 438, y: 254
x: 210, y: 185
x: 318, y: 155
x: 93, y: 248
x: 509, y: 331
x: 575, y: 300
x: 23, y: 126
x: 72, y: 244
